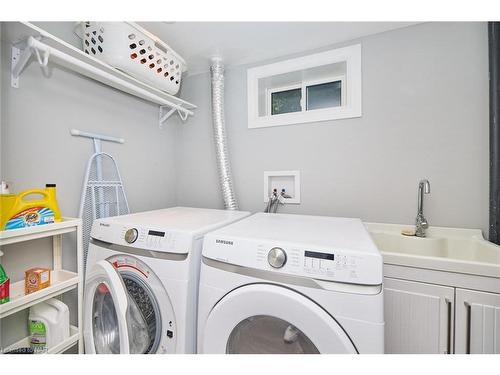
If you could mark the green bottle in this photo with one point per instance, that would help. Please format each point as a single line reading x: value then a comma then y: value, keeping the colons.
x: 4, y: 286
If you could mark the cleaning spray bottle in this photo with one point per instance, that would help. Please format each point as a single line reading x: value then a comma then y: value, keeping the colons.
x: 16, y: 211
x: 4, y: 285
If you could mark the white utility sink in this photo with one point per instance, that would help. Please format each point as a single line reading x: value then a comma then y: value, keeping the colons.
x: 446, y: 249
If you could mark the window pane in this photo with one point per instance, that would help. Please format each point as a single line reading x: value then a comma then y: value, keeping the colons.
x: 324, y: 95
x: 286, y: 101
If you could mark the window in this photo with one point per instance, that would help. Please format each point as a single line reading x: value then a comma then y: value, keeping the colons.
x: 318, y: 87
x: 326, y: 93
x: 285, y: 100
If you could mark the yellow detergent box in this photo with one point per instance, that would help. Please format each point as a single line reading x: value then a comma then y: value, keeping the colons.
x: 29, y: 208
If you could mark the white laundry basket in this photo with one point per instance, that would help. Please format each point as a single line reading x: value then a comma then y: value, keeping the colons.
x: 132, y: 49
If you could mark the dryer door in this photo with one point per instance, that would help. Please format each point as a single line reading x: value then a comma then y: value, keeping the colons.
x: 112, y: 323
x: 266, y: 318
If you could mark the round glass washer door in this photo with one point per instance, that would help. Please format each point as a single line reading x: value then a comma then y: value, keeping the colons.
x: 148, y: 293
x: 271, y: 319
x: 105, y: 308
x: 127, y: 309
x: 148, y: 307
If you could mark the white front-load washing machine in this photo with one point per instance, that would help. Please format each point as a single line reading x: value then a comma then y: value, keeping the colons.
x: 142, y: 278
x: 278, y: 283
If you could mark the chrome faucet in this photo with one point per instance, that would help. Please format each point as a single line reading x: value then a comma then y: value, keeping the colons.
x: 421, y: 223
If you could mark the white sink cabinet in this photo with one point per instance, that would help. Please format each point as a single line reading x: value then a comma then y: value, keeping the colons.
x: 442, y: 292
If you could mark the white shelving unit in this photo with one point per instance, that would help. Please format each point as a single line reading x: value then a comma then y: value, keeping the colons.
x: 74, y: 336
x: 30, y: 41
x: 62, y: 280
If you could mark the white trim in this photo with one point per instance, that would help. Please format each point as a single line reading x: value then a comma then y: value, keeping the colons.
x: 351, y: 85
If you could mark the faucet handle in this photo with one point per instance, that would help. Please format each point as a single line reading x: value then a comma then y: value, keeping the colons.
x: 424, y: 224
x: 421, y: 224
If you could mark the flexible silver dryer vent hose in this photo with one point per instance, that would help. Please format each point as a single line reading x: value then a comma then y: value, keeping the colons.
x: 224, y: 166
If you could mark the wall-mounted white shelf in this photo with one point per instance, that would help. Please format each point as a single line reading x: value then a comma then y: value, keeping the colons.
x: 62, y: 280
x: 30, y: 41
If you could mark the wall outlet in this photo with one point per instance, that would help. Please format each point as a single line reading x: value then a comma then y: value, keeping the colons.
x: 279, y: 180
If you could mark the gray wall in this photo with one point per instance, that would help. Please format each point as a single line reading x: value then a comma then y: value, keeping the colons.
x: 425, y: 115
x: 36, y: 148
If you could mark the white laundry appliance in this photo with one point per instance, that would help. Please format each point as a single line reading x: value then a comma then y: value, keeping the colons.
x: 142, y: 280
x: 277, y: 283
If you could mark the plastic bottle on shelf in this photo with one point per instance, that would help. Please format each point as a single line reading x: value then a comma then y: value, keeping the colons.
x: 48, y: 324
x: 4, y: 286
x: 18, y: 212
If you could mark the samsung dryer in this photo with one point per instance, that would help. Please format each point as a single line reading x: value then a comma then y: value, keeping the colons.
x: 278, y: 283
x: 142, y: 280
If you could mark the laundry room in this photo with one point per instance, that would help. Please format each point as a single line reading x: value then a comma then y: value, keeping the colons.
x: 250, y: 184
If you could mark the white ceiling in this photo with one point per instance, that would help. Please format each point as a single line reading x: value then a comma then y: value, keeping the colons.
x: 250, y: 42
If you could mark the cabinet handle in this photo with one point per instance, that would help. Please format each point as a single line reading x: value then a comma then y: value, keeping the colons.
x: 448, y: 339
x: 468, y: 327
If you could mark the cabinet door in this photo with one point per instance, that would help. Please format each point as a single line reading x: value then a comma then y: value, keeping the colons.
x: 478, y: 322
x: 418, y: 317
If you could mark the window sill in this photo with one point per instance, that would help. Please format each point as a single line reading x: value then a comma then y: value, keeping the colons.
x: 316, y: 115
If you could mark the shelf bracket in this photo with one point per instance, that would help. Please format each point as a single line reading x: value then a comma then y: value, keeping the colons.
x: 19, y: 60
x: 21, y: 54
x: 183, y: 114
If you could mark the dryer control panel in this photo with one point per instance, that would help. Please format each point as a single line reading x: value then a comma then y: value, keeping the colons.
x: 319, y: 247
x: 329, y: 264
x: 341, y: 265
x: 321, y: 264
x: 320, y: 261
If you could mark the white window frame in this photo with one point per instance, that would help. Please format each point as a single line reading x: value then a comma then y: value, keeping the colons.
x: 350, y: 95
x: 303, y: 90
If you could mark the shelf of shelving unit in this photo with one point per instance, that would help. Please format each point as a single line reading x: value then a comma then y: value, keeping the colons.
x: 29, y: 40
x: 66, y: 225
x: 62, y: 280
x: 74, y: 336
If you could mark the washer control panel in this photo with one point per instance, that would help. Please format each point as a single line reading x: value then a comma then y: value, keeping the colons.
x: 141, y: 237
x: 148, y: 238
